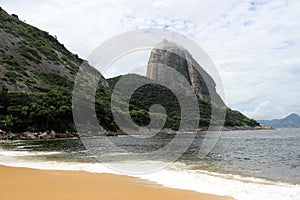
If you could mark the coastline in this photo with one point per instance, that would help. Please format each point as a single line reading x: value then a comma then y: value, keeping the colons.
x: 54, y: 135
x: 227, y: 181
x: 35, y: 184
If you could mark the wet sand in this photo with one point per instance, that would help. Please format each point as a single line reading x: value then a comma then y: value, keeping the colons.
x: 34, y: 184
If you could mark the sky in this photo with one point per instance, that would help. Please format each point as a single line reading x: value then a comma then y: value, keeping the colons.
x: 255, y: 45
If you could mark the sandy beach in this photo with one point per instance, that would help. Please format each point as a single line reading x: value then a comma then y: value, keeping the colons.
x: 33, y: 184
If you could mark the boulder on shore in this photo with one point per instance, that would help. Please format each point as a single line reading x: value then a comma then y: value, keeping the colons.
x: 29, y: 136
x: 44, y: 135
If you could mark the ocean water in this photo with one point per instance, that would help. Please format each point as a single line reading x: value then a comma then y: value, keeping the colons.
x: 244, y: 164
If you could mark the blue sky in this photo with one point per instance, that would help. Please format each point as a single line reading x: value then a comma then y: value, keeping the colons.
x: 255, y: 45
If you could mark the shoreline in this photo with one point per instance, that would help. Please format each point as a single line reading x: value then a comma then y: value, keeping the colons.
x: 54, y: 135
x: 35, y: 184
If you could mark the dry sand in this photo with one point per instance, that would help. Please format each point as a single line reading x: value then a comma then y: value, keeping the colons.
x: 33, y: 184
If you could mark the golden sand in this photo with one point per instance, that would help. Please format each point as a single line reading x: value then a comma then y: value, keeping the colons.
x: 33, y: 184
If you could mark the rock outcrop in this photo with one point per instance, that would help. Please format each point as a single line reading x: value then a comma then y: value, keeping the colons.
x: 175, y: 56
x: 36, y: 136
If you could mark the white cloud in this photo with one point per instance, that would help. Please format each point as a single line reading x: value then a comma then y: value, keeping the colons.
x: 254, y: 44
x: 263, y: 107
x: 134, y: 62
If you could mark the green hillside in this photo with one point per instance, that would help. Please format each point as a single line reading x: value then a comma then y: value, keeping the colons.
x: 36, y: 80
x: 150, y: 94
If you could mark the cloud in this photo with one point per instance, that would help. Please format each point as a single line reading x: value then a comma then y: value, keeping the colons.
x: 261, y: 109
x: 254, y: 44
x: 135, y: 62
x: 82, y: 25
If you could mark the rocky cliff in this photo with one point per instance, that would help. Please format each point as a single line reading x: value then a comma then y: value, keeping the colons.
x: 172, y: 55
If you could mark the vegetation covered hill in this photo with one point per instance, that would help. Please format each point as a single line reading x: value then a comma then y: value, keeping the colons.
x: 36, y: 80
x: 150, y: 94
x: 290, y: 121
x: 32, y: 60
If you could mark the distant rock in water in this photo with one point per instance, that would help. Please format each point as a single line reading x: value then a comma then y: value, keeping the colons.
x: 172, y: 55
x: 291, y: 121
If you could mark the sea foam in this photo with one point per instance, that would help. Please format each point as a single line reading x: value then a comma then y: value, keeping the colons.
x: 239, y: 187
